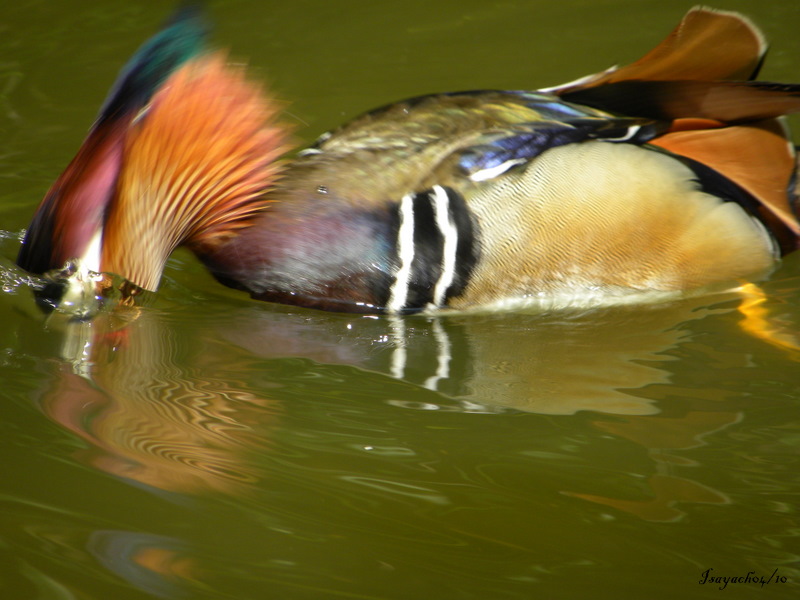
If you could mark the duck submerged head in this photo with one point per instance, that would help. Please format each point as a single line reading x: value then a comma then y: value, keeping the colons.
x: 182, y: 156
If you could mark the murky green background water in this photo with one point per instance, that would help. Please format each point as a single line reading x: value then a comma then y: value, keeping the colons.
x: 222, y: 448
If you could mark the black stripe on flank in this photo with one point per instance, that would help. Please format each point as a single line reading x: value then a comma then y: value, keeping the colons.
x: 429, y: 245
x: 467, y: 250
x: 426, y: 267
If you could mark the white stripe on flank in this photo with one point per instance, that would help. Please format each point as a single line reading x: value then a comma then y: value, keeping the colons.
x: 491, y: 172
x: 441, y: 208
x: 398, y: 293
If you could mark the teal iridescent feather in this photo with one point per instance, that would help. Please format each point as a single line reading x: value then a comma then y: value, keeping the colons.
x: 182, y: 38
x: 81, y: 195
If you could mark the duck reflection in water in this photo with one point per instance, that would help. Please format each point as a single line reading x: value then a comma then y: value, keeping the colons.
x: 174, y: 401
x: 609, y: 363
x: 141, y: 402
x: 660, y: 437
x: 158, y: 408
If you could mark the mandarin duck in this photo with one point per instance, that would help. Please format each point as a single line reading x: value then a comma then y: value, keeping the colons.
x: 670, y: 176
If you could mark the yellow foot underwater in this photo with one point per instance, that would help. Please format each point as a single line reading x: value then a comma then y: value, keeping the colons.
x: 758, y: 322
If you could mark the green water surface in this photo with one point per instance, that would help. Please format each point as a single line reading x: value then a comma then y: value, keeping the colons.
x: 218, y: 447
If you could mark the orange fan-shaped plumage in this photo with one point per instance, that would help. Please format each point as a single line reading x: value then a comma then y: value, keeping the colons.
x: 198, y: 161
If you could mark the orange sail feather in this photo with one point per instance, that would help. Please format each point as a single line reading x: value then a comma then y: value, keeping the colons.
x: 197, y: 164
